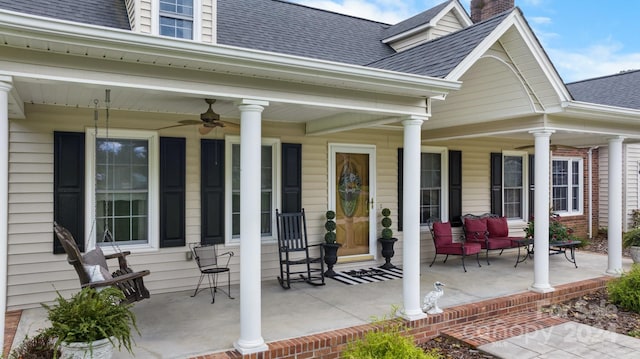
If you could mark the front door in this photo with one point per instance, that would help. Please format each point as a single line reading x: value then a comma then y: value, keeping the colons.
x: 351, y: 195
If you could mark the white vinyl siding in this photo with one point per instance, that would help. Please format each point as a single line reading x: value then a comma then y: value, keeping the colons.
x: 448, y: 24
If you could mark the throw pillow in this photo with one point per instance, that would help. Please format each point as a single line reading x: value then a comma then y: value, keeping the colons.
x: 95, y: 256
x: 498, y: 227
x: 475, y: 228
x: 96, y: 273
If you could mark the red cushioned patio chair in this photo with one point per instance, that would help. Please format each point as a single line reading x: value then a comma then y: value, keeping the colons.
x: 444, y: 244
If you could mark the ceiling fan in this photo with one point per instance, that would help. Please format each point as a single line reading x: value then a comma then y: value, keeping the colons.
x: 208, y: 120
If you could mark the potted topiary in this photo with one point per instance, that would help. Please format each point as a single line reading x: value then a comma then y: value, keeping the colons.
x: 91, y: 323
x: 387, y: 240
x: 631, y: 240
x: 330, y: 246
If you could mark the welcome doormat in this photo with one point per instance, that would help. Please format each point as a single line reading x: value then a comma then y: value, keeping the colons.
x: 367, y: 275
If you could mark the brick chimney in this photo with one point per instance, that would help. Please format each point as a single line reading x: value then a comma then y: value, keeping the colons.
x: 484, y: 9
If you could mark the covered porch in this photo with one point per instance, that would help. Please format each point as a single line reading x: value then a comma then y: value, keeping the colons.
x: 174, y: 325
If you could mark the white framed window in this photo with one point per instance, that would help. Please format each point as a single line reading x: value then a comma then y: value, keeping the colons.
x: 122, y: 189
x: 178, y: 18
x: 270, y: 188
x: 434, y: 184
x: 514, y: 165
x: 567, y: 185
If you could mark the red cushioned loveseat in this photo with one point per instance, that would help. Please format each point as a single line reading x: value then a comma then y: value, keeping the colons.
x: 490, y: 231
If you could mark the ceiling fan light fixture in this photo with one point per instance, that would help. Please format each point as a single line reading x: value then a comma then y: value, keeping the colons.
x: 210, y: 116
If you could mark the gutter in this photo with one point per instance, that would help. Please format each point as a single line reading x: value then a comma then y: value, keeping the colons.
x: 41, y: 33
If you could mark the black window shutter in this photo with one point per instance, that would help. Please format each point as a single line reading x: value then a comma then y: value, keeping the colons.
x: 455, y: 188
x: 400, y: 164
x: 496, y: 183
x: 291, y: 177
x: 68, y: 185
x: 172, y: 191
x: 212, y: 191
x: 532, y: 187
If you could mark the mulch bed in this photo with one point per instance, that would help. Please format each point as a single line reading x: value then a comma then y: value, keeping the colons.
x: 593, y: 309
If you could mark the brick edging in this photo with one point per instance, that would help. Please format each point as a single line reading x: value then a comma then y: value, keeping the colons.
x: 329, y: 345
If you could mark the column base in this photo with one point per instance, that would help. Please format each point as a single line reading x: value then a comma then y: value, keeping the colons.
x: 615, y: 272
x: 541, y: 288
x: 414, y: 315
x: 250, y: 347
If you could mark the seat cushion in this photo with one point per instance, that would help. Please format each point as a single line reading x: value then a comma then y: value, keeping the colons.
x: 498, y: 227
x: 500, y: 243
x: 475, y: 228
x: 456, y: 249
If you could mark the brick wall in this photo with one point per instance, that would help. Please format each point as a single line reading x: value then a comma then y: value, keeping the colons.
x: 329, y: 345
x: 484, y: 9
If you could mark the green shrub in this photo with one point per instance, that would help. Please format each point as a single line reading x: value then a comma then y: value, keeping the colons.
x: 631, y: 238
x: 625, y: 291
x: 92, y: 315
x: 387, y: 342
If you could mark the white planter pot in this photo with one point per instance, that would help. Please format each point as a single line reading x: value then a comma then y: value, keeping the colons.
x: 635, y: 253
x: 99, y: 349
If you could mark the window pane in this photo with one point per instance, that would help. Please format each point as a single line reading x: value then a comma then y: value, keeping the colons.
x: 430, y: 186
x: 182, y: 7
x: 182, y: 29
x: 560, y: 200
x: 512, y: 171
x: 513, y: 203
x: 513, y: 186
x: 266, y: 185
x: 122, y: 189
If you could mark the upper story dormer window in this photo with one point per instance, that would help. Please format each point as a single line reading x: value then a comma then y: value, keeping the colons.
x: 177, y: 18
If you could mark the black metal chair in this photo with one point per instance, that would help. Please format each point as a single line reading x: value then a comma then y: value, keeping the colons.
x: 296, y: 263
x: 211, y: 264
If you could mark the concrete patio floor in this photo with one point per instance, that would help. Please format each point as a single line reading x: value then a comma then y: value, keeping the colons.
x: 175, y: 325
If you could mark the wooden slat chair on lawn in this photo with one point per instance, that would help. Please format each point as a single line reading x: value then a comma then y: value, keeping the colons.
x: 444, y: 244
x: 93, y: 272
x: 296, y: 263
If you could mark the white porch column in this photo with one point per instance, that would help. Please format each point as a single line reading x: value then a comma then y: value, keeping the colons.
x: 250, y: 340
x: 5, y: 87
x: 411, y: 219
x: 541, y: 213
x: 614, y: 230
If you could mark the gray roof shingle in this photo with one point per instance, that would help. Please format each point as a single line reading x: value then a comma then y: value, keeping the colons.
x: 437, y: 58
x: 415, y: 21
x: 293, y: 29
x: 621, y: 90
x: 283, y: 27
x: 109, y: 13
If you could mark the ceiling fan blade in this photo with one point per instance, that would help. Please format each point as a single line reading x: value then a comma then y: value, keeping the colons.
x: 181, y: 123
x: 204, y: 130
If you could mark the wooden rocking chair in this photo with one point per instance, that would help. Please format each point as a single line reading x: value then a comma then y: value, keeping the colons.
x: 97, y: 275
x: 296, y: 264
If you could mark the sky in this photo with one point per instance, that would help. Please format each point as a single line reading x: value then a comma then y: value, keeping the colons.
x: 583, y: 38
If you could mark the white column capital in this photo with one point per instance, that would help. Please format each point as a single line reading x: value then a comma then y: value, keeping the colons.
x: 616, y: 139
x: 542, y: 133
x: 6, y: 83
x: 248, y: 101
x: 414, y: 120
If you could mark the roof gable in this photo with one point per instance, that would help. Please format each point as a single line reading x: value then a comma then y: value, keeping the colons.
x: 439, y: 57
x: 109, y: 13
x: 620, y: 90
x: 426, y: 20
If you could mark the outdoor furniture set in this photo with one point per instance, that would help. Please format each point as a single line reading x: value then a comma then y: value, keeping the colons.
x: 489, y: 232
